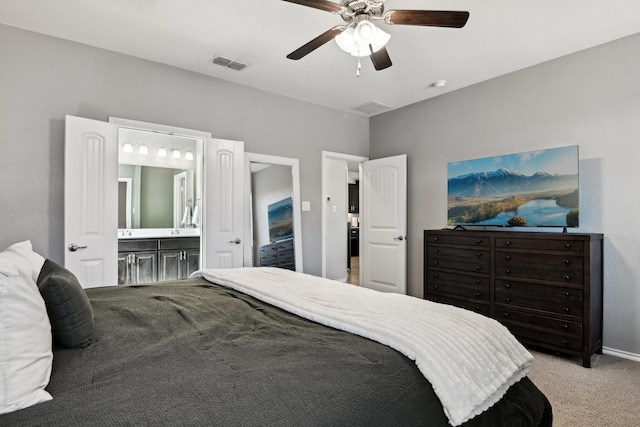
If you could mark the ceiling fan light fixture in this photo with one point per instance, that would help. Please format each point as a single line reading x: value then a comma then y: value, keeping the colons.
x: 357, y: 45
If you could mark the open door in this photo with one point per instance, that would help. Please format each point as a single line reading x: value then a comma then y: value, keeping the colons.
x: 224, y: 204
x: 90, y: 202
x: 383, y: 226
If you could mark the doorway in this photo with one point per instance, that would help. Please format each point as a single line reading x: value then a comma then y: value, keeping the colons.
x: 339, y: 225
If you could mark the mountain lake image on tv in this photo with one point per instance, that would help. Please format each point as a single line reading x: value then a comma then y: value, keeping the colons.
x: 532, y: 189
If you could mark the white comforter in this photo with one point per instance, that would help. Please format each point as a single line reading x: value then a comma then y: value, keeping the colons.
x: 469, y: 359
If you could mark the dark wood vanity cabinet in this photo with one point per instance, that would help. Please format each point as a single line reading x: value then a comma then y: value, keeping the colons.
x: 545, y: 287
x: 178, y: 258
x: 152, y: 260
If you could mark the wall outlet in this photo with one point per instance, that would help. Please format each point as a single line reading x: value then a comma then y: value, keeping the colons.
x: 306, y: 206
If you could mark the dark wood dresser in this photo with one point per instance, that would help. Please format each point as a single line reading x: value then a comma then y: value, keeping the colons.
x: 278, y: 254
x: 545, y: 287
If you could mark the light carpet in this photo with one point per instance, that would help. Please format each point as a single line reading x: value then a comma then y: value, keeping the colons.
x: 607, y: 394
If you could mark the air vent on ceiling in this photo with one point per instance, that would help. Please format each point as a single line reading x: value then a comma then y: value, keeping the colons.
x: 224, y: 62
x: 371, y: 107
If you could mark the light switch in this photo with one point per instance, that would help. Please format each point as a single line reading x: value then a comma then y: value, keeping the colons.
x: 334, y: 209
x: 306, y: 205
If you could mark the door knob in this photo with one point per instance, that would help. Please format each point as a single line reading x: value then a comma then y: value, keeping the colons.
x: 237, y: 241
x: 400, y: 238
x: 73, y: 247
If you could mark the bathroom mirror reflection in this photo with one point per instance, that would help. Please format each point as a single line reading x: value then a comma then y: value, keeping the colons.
x: 158, y: 176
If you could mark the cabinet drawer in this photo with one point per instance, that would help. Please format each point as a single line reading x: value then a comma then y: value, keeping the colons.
x: 468, y: 305
x: 480, y: 266
x: 459, y: 239
x: 269, y: 259
x: 543, y: 243
x: 441, y: 252
x: 173, y: 243
x: 542, y: 329
x: 474, y: 287
x: 137, y: 245
x: 568, y: 261
x: 563, y: 274
x: 285, y: 245
x: 553, y: 299
x: 268, y: 249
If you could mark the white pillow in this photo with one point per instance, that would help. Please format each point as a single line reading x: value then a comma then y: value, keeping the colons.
x: 25, y: 332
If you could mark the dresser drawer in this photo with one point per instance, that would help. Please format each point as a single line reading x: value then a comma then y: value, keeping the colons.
x: 467, y: 305
x: 285, y: 245
x: 541, y: 329
x: 480, y: 266
x: 540, y: 272
x: 460, y: 285
x: 553, y: 299
x: 453, y: 238
x: 542, y: 243
x: 566, y: 261
x: 447, y: 252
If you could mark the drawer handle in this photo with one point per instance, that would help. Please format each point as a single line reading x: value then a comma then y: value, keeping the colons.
x: 435, y: 286
x: 436, y: 262
x: 506, y: 314
x: 565, y: 327
x: 478, y: 281
x: 478, y: 255
x: 507, y: 271
x: 507, y: 257
x: 566, y: 309
x: 566, y: 262
x: 435, y: 251
x: 506, y: 285
x: 567, y: 245
x: 435, y: 239
x: 567, y: 294
x: 565, y: 342
x: 435, y: 274
x: 477, y: 294
x: 507, y: 300
x: 477, y: 308
x: 478, y: 268
x: 478, y: 241
x: 567, y: 277
x: 507, y: 243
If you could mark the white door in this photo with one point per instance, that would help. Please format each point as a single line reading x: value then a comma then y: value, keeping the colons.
x: 383, y: 226
x: 90, y: 202
x: 222, y: 227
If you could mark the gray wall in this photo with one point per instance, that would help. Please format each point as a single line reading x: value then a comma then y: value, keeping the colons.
x: 591, y: 98
x: 43, y: 78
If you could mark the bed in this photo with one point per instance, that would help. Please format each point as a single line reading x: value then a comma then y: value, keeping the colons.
x: 222, y: 349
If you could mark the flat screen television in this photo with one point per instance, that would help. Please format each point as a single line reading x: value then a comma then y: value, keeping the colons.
x: 280, y: 217
x: 532, y: 189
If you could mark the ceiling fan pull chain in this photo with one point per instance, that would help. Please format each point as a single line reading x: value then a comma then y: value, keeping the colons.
x: 358, y: 67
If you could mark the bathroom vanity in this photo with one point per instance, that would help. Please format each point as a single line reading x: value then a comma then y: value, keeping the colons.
x: 157, y: 255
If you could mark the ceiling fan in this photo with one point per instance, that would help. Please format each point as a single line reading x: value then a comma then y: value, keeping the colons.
x: 360, y: 37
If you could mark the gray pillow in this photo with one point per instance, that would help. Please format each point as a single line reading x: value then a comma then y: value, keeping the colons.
x: 68, y: 307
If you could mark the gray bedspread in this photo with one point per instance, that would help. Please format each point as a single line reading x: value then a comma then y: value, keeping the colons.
x: 194, y: 353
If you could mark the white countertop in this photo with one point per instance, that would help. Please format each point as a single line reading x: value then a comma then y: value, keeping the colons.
x: 154, y: 233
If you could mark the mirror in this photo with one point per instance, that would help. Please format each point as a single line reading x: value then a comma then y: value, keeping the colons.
x: 272, y: 205
x: 158, y: 177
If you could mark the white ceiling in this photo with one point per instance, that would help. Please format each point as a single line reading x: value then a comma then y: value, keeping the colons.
x: 500, y: 37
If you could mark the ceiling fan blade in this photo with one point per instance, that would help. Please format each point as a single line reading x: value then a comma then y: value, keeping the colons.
x: 316, y: 43
x: 381, y: 59
x: 325, y: 5
x: 429, y: 18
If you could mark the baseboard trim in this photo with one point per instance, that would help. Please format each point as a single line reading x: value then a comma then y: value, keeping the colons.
x: 621, y: 353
